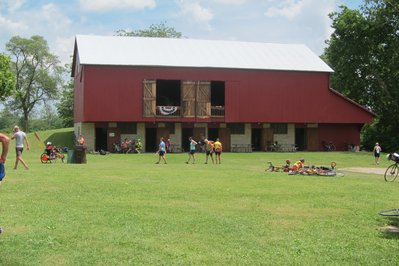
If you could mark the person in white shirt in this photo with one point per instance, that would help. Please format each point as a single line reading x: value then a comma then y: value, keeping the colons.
x: 377, y: 151
x: 20, y: 137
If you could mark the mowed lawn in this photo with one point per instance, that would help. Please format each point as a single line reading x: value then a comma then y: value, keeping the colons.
x: 125, y: 210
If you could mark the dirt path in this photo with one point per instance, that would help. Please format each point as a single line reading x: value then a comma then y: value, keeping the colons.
x: 365, y: 170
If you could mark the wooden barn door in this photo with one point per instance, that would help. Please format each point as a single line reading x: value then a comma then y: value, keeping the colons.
x: 312, y: 139
x: 149, y: 98
x: 188, y: 98
x: 267, y: 138
x: 224, y: 136
x: 203, y: 99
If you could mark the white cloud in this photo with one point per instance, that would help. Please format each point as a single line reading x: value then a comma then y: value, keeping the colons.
x: 54, y: 18
x: 230, y: 2
x: 288, y: 9
x: 11, y: 5
x: 194, y: 11
x: 63, y: 47
x: 104, y: 5
x: 10, y: 26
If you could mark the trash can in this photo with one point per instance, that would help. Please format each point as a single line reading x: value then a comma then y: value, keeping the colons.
x: 71, y: 156
x: 80, y: 154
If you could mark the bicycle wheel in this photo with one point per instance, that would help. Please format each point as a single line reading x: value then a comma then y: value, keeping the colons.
x: 391, y: 173
x: 44, y: 158
x: 332, y: 147
x: 393, y: 212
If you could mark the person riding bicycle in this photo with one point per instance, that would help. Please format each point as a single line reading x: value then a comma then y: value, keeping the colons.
x: 49, y: 149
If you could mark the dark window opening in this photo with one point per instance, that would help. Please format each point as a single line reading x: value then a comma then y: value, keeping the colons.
x: 217, y: 93
x: 170, y: 127
x: 237, y: 128
x: 280, y: 128
x: 127, y: 128
x: 168, y: 93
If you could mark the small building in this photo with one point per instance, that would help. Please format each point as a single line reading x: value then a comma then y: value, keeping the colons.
x: 249, y: 95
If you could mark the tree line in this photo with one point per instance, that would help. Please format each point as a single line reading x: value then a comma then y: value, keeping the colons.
x: 363, y: 50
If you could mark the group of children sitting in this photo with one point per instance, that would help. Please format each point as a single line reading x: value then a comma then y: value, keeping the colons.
x: 131, y: 146
x: 300, y: 168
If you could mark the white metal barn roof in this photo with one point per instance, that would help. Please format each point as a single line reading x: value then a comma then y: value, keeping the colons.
x: 168, y: 52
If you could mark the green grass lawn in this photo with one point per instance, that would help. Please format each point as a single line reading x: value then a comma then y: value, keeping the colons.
x: 125, y: 210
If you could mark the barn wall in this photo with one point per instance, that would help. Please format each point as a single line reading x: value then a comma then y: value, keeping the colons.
x: 251, y: 96
x: 340, y: 135
x: 78, y: 99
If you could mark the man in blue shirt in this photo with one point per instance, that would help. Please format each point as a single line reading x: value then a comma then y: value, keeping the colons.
x: 161, y: 151
x: 191, y: 153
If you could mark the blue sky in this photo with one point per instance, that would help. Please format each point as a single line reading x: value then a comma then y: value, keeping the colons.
x: 273, y: 21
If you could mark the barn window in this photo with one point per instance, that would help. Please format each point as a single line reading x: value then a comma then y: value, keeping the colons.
x: 127, y: 128
x: 168, y: 92
x: 280, y: 128
x: 217, y: 93
x: 170, y: 127
x: 237, y: 128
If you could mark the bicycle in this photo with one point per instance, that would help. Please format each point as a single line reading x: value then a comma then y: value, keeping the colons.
x: 329, y: 146
x: 390, y: 213
x: 321, y: 170
x: 277, y: 168
x: 51, y: 156
x: 393, y: 170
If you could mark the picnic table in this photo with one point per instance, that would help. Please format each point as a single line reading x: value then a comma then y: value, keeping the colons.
x: 241, y: 148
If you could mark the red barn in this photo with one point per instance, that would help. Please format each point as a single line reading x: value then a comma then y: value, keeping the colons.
x: 247, y: 94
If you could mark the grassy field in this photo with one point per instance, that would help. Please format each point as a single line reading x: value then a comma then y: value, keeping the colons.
x: 125, y: 210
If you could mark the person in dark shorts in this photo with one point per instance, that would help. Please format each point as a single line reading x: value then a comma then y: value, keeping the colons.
x: 209, y: 150
x: 377, y: 152
x: 191, y: 153
x: 218, y: 148
x: 161, y: 151
x: 20, y: 137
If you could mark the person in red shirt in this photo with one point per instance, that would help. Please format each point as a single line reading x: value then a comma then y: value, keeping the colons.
x: 81, y: 140
x: 299, y: 165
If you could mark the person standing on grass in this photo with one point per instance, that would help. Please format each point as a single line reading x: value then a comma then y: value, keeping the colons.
x: 209, y: 150
x: 377, y: 152
x: 218, y: 148
x: 161, y: 151
x: 5, y: 142
x: 20, y: 137
x: 191, y: 153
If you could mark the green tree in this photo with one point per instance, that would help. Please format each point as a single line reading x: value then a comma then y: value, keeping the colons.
x: 155, y: 30
x: 7, y: 120
x: 37, y: 71
x: 65, y: 106
x: 364, y: 52
x: 7, y: 77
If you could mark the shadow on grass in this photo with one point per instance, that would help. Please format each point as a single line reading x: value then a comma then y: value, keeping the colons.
x: 391, y: 229
x: 62, y: 139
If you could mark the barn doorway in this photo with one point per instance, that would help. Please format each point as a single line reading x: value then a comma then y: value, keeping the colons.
x: 101, y: 139
x: 151, y: 142
x: 256, y: 139
x: 300, y: 139
x: 186, y: 133
x: 213, y: 134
